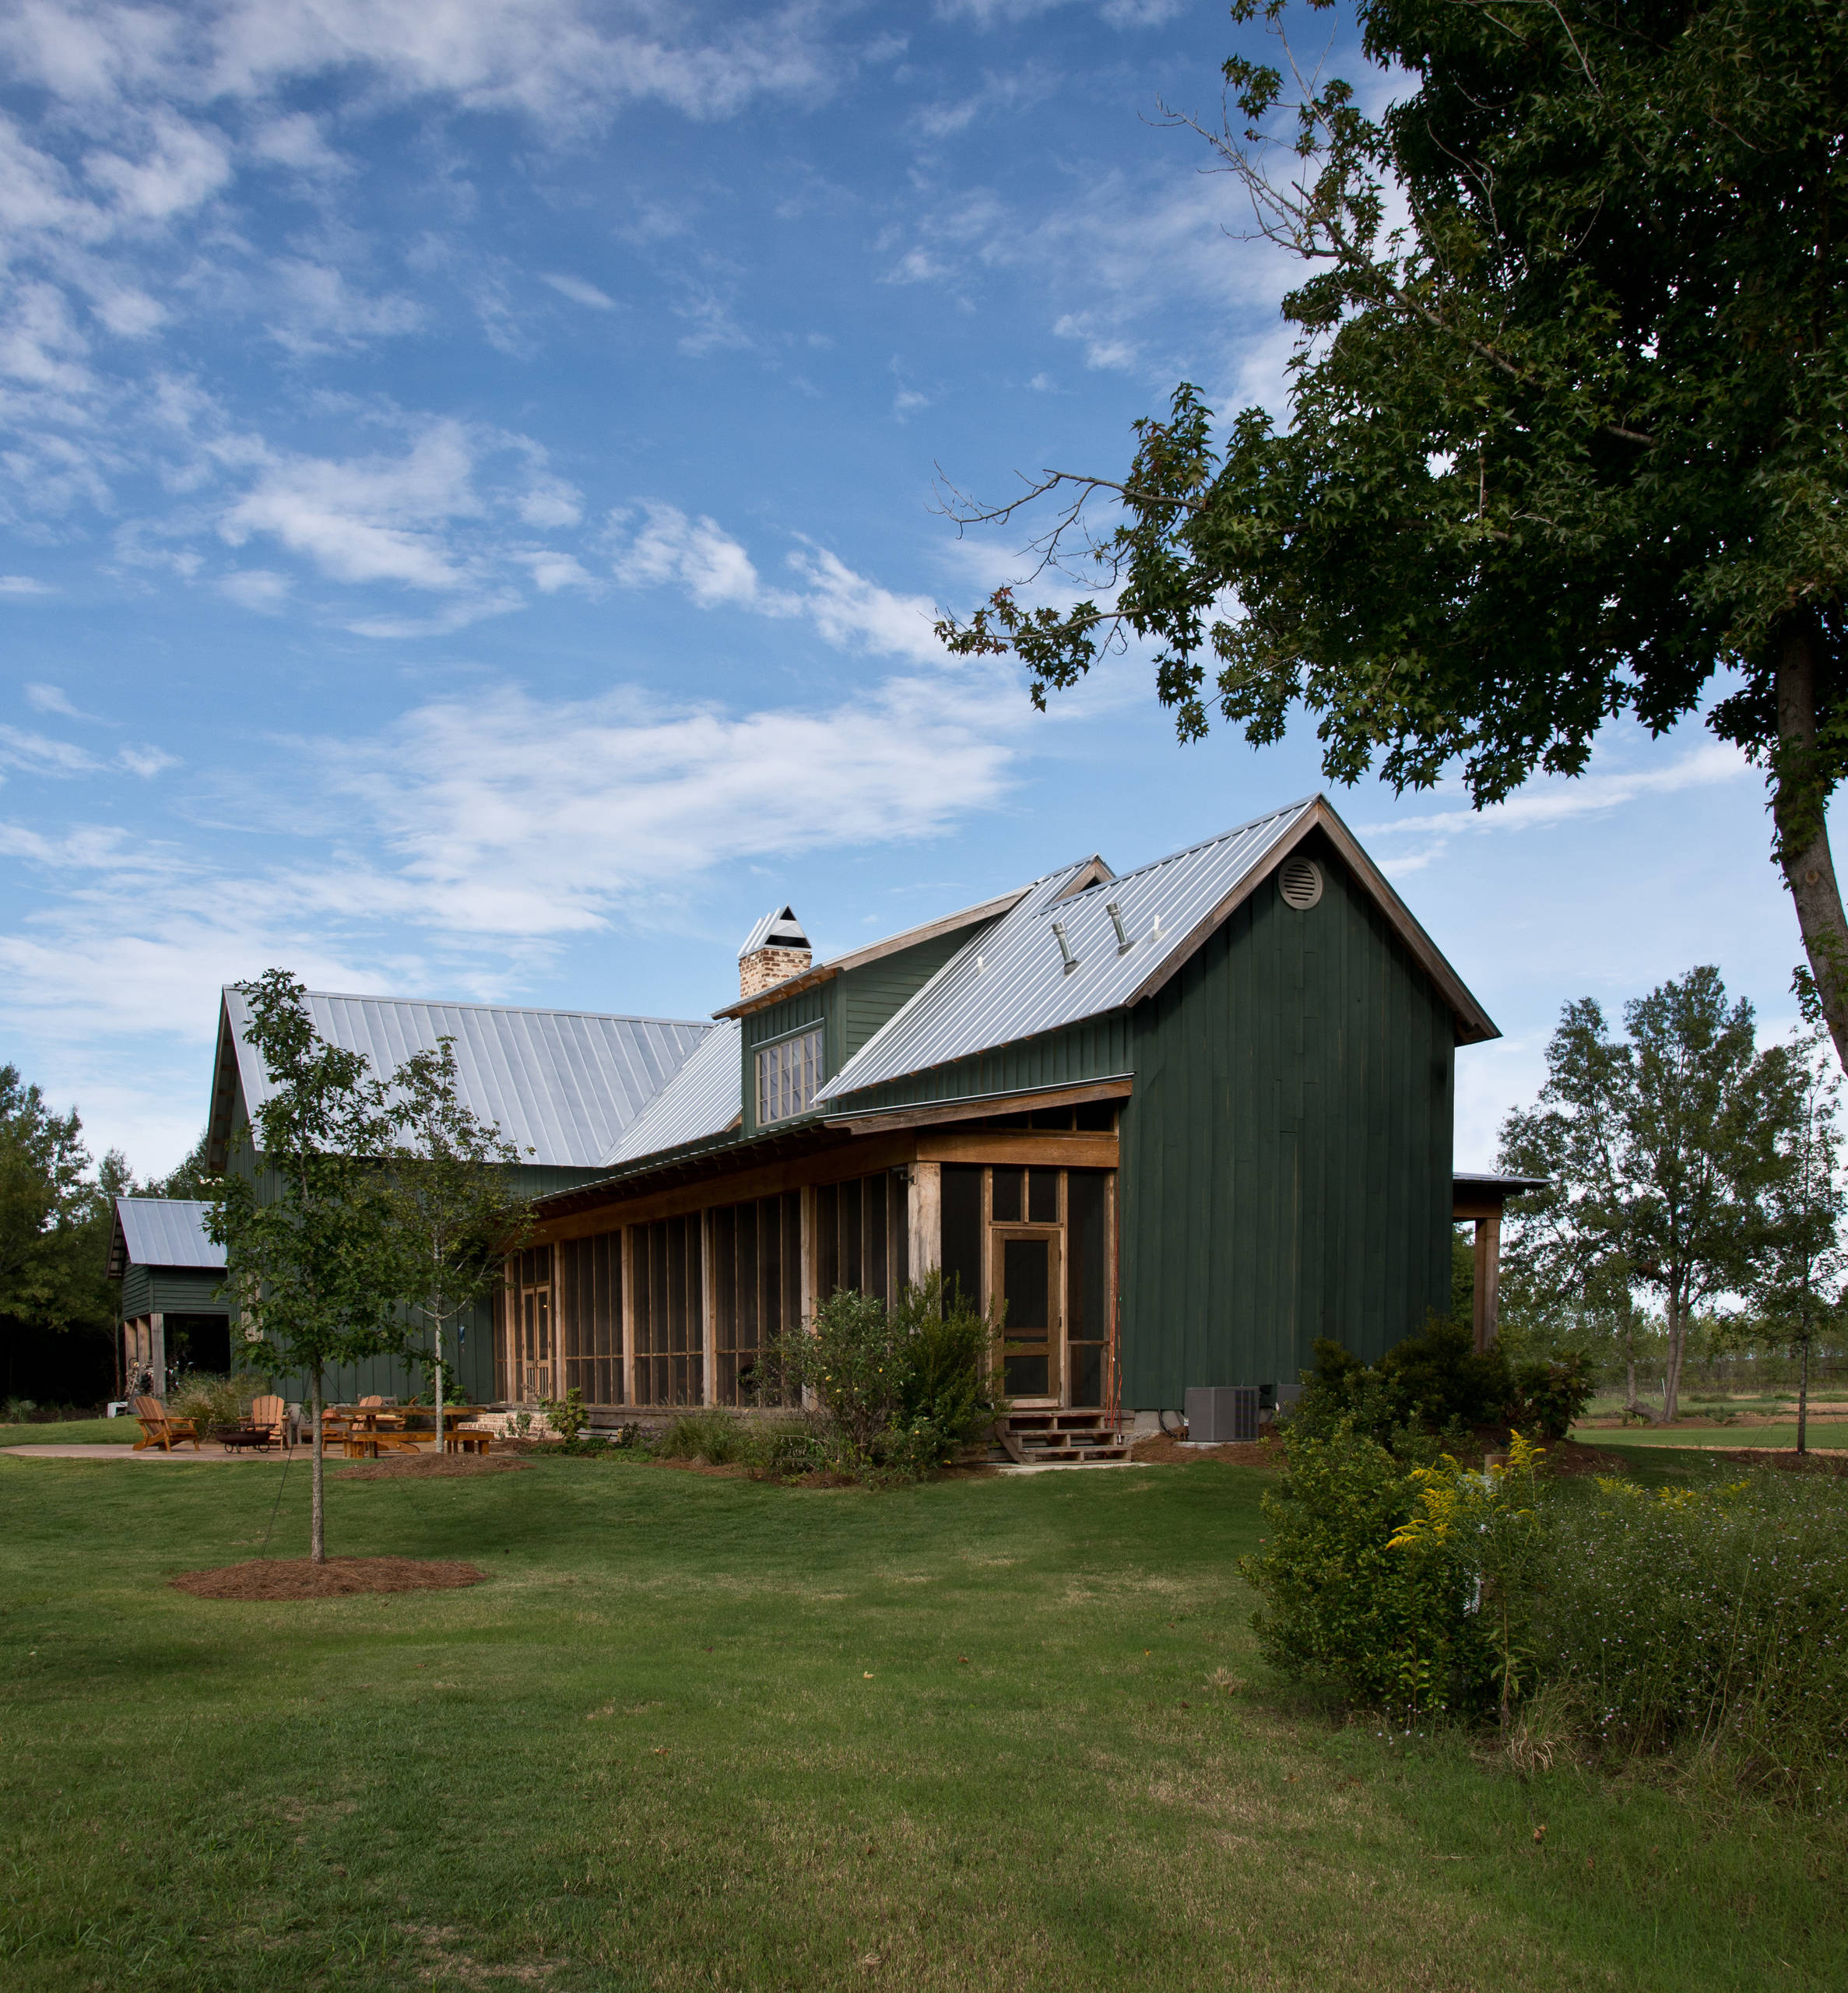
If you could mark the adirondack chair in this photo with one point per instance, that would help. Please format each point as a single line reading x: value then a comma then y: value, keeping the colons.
x: 157, y: 1429
x: 272, y: 1414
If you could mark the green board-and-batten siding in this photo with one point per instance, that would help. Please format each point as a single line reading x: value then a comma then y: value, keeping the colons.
x: 171, y: 1291
x: 1286, y: 1156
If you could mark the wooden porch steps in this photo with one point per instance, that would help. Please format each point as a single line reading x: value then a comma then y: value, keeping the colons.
x: 1070, y: 1437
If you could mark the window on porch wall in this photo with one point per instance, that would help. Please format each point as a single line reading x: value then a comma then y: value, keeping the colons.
x: 757, y: 1289
x: 669, y: 1312
x: 863, y: 1236
x: 523, y: 1327
x: 590, y: 1316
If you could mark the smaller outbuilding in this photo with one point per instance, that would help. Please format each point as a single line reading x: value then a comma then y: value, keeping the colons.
x: 173, y: 1317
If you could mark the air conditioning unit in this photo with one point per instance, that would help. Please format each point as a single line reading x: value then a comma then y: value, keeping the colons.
x: 1219, y: 1414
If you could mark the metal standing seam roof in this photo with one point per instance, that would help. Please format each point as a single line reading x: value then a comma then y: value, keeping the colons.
x: 701, y: 1100
x: 167, y: 1232
x: 564, y: 1084
x: 1011, y: 983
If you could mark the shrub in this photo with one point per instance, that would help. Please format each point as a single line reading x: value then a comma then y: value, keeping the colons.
x: 903, y: 1390
x: 209, y: 1401
x: 1715, y: 1617
x: 1551, y: 1393
x: 1391, y: 1627
x: 712, y: 1434
x: 567, y: 1417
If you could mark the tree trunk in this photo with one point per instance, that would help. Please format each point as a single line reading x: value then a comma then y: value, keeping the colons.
x: 1803, y: 1400
x: 316, y: 1507
x: 1671, y: 1370
x: 1629, y: 1354
x: 438, y: 1334
x: 1800, y: 809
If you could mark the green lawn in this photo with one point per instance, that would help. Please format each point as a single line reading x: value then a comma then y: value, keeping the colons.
x: 700, y: 1733
x: 71, y: 1432
x: 1831, y: 1433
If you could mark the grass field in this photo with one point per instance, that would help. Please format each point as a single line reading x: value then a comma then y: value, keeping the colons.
x: 71, y: 1432
x: 1831, y: 1433
x: 693, y: 1732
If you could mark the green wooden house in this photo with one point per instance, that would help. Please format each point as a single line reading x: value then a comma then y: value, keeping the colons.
x: 1180, y: 1120
x: 1177, y: 1122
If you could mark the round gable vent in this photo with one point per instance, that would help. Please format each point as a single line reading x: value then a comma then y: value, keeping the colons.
x: 1300, y: 882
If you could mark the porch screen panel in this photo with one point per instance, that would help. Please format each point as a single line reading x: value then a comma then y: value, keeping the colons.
x: 863, y: 1236
x: 669, y: 1313
x: 1088, y: 1285
x: 757, y: 1291
x: 961, y: 1250
x: 590, y: 1316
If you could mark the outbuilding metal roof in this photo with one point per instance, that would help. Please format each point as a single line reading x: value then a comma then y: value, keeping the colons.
x: 566, y: 1085
x: 701, y: 1100
x: 165, y: 1232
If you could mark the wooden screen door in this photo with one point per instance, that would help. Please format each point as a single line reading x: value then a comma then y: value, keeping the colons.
x: 536, y: 1341
x: 1025, y: 1275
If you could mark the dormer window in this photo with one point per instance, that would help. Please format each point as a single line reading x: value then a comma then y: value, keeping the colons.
x: 789, y: 1073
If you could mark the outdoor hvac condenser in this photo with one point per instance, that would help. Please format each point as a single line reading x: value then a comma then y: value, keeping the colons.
x: 1219, y: 1414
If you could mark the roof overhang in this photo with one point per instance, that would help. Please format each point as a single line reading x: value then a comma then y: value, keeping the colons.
x: 1474, y: 1194
x: 1474, y: 1023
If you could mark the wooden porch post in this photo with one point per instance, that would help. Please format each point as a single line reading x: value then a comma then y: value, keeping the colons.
x: 924, y: 1211
x: 629, y: 1313
x: 1488, y: 1279
x: 157, y: 1353
x: 708, y: 1314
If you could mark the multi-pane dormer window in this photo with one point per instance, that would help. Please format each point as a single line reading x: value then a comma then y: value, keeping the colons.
x: 788, y: 1073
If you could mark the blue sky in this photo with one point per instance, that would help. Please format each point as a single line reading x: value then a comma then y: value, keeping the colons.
x: 466, y: 496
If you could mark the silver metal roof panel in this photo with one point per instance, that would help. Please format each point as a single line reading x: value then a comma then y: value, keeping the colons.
x: 167, y: 1232
x: 565, y: 1085
x: 1012, y: 983
x: 702, y: 1099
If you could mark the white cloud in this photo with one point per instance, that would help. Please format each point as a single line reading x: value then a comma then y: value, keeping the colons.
x: 1556, y: 800
x: 35, y: 753
x: 321, y: 312
x: 147, y: 762
x: 367, y: 519
x: 697, y: 554
x: 259, y: 588
x: 579, y: 291
x: 53, y: 699
x: 21, y: 588
x: 662, y: 546
x: 551, y: 570
x: 182, y: 165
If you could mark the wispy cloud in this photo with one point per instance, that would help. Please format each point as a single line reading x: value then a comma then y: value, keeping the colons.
x: 53, y: 699
x: 21, y: 587
x: 1548, y: 803
x: 579, y: 291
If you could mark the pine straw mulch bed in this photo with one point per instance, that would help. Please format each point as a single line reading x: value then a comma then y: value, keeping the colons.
x: 1162, y: 1450
x: 1788, y: 1458
x: 428, y: 1466
x: 339, y: 1577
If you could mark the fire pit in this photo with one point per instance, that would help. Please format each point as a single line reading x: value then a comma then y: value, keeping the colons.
x: 234, y: 1439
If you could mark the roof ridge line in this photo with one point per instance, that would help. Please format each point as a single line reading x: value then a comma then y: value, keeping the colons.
x: 531, y: 1009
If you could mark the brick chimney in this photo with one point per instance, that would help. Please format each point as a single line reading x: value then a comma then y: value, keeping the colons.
x: 775, y: 950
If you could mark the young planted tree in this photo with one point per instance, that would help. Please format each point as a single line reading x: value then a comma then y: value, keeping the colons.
x: 311, y: 1254
x: 456, y: 1210
x: 1565, y: 442
x: 1800, y: 1276
x: 1666, y: 1150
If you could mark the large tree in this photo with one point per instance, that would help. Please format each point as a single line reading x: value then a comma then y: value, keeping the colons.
x: 56, y: 1312
x: 312, y: 1256
x: 1669, y: 1155
x: 1565, y: 441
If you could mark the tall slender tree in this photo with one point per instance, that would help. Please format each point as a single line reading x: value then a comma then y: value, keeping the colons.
x: 455, y: 1208
x: 1565, y: 437
x: 1799, y: 1284
x: 1666, y: 1150
x: 312, y: 1255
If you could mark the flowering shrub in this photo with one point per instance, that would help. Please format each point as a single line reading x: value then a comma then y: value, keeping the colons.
x: 1715, y: 1616
x: 1349, y: 1600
